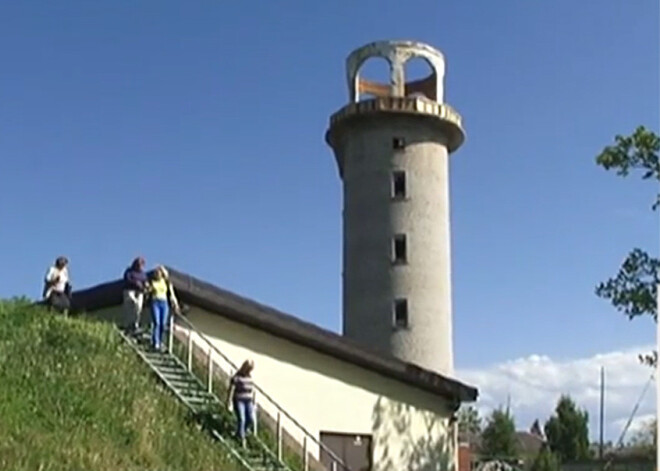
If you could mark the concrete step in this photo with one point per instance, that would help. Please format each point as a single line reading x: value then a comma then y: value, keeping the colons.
x: 183, y: 381
x: 175, y: 376
x: 196, y: 401
x: 161, y: 358
x: 175, y: 370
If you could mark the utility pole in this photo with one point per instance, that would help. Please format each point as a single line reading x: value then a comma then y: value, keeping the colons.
x: 602, y: 411
x: 657, y: 378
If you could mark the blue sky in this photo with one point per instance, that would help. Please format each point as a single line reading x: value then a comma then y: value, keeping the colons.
x: 192, y: 133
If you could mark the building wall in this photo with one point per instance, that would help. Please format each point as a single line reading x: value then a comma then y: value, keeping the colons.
x: 464, y: 457
x: 371, y: 218
x: 409, y: 427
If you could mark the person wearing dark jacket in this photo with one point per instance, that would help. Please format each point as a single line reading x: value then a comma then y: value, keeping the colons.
x: 135, y: 285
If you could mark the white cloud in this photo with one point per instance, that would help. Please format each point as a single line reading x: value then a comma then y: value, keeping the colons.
x: 639, y: 423
x: 535, y: 383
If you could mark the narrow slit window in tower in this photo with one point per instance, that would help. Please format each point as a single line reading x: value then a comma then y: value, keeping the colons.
x: 399, y: 249
x: 401, y: 313
x: 399, y: 184
x: 398, y: 143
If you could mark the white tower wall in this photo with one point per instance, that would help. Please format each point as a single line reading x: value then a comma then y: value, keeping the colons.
x: 379, y: 142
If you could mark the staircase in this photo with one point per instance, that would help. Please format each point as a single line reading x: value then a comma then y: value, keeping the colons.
x: 210, y: 411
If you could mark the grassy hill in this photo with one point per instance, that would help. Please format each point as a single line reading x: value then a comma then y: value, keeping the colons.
x: 73, y: 397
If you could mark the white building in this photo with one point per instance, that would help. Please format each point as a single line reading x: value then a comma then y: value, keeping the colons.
x: 373, y: 410
x: 380, y: 397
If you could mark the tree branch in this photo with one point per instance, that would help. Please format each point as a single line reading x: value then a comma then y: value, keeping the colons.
x: 636, y: 152
x: 633, y: 290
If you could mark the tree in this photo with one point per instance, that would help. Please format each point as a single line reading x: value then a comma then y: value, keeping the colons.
x: 567, y: 431
x: 469, y: 423
x: 633, y: 290
x: 536, y: 429
x: 545, y: 461
x: 498, y: 439
x: 645, y: 440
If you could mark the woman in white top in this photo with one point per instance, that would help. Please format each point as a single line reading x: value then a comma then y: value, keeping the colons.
x: 57, y: 289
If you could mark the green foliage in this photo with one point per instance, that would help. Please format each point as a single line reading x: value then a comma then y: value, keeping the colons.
x: 498, y: 439
x: 73, y: 397
x: 638, y: 151
x: 545, y: 461
x: 536, y: 428
x: 469, y: 423
x: 567, y: 431
x: 633, y: 290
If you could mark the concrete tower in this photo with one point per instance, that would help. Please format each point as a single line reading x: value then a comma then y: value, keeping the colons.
x: 392, y: 151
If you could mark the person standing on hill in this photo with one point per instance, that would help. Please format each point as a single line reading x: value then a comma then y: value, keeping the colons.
x: 241, y: 397
x: 162, y: 295
x: 135, y: 285
x: 57, y: 289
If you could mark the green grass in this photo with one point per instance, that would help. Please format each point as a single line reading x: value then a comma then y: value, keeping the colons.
x: 73, y: 397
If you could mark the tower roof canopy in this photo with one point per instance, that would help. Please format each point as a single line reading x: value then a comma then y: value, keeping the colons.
x: 397, y: 54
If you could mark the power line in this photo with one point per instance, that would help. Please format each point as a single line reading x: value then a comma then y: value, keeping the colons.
x: 634, y: 411
x: 602, y: 413
x: 630, y: 419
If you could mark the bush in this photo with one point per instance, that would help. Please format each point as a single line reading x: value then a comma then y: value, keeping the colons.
x: 545, y: 461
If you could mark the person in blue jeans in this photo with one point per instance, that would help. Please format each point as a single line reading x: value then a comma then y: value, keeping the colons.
x: 162, y: 294
x: 241, y: 397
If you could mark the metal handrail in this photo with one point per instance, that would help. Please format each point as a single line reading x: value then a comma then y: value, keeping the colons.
x: 279, y: 408
x: 231, y: 450
x: 188, y: 367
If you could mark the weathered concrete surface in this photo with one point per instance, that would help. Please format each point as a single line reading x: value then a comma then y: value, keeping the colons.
x: 361, y: 135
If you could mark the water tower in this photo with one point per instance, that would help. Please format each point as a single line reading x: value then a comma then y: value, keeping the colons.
x: 392, y: 143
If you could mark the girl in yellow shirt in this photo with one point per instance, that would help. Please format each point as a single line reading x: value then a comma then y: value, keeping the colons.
x: 162, y: 294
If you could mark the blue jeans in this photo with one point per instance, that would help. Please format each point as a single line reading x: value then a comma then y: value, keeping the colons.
x: 159, y: 312
x: 244, y: 410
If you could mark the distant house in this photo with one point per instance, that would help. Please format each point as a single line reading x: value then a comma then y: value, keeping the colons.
x: 529, y: 445
x: 374, y: 411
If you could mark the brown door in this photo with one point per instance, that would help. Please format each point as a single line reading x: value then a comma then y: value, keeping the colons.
x: 353, y: 450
